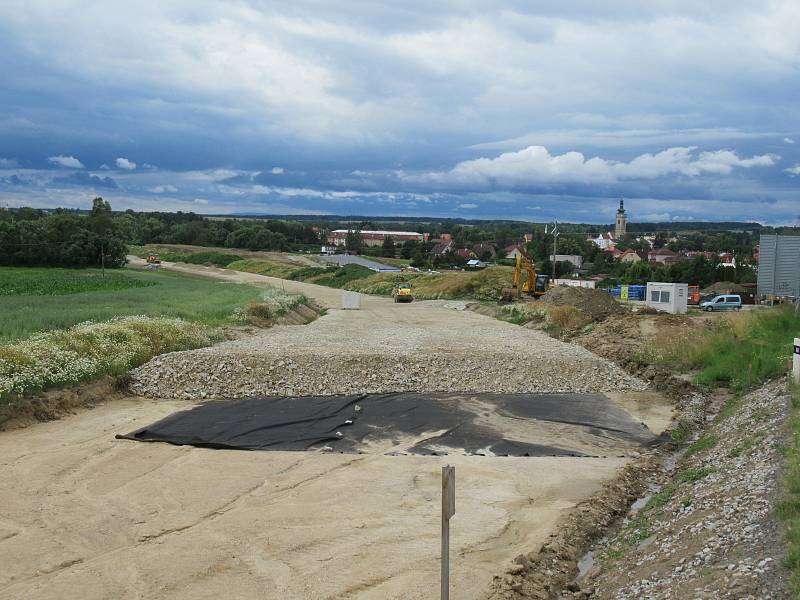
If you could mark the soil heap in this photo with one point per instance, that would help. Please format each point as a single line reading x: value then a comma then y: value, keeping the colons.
x: 598, y: 304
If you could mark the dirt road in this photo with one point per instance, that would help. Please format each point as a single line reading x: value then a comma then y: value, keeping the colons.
x: 89, y: 516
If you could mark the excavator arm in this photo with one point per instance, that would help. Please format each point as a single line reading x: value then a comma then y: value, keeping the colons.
x: 529, y: 286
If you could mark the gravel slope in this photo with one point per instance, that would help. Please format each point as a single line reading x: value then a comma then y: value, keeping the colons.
x: 713, y: 533
x: 425, y: 346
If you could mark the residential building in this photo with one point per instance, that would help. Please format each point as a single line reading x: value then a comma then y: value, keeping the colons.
x: 484, y: 251
x: 698, y: 253
x: 337, y: 237
x: 603, y: 240
x: 515, y: 250
x: 528, y: 237
x: 632, y: 256
x: 465, y: 253
x: 442, y: 248
x: 663, y: 256
x: 727, y: 259
x: 575, y: 259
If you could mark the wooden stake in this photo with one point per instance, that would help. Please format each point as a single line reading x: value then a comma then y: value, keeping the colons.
x: 448, y: 510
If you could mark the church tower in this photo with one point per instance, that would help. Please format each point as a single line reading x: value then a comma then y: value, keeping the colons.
x: 622, y: 221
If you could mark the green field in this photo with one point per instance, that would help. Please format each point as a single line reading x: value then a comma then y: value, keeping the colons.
x: 60, y: 282
x: 158, y: 293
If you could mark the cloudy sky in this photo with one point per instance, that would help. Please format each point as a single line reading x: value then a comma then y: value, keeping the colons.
x: 688, y: 110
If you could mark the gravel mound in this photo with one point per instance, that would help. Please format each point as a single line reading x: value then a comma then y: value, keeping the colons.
x: 338, y: 354
x: 597, y: 304
x: 711, y: 532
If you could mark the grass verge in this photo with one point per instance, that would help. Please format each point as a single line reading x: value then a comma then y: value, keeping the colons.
x: 742, y: 351
x: 90, y: 350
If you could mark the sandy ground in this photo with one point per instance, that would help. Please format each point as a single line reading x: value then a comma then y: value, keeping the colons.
x: 87, y: 516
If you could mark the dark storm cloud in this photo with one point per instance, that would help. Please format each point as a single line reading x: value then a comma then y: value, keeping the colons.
x: 373, y: 106
x: 86, y: 179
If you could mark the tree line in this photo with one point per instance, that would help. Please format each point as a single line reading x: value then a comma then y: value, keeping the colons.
x: 68, y: 238
x: 29, y: 237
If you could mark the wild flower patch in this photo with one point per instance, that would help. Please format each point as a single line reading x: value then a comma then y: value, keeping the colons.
x: 273, y: 303
x: 90, y: 350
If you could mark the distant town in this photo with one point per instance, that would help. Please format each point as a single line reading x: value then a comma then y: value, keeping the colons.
x: 625, y: 252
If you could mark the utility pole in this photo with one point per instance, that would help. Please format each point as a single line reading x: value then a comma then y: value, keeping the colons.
x: 555, y: 241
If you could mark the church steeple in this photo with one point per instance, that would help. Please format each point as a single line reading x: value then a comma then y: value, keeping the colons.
x: 621, y: 226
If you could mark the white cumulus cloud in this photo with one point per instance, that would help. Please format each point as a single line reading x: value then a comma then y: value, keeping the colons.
x: 795, y: 170
x: 66, y: 161
x: 277, y: 170
x: 160, y: 189
x: 468, y: 205
x: 124, y: 163
x: 8, y: 163
x: 788, y: 140
x: 535, y: 164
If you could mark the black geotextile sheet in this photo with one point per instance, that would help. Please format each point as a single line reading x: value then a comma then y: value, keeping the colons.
x: 347, y: 423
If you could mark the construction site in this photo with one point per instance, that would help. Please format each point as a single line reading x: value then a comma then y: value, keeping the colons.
x: 349, y: 416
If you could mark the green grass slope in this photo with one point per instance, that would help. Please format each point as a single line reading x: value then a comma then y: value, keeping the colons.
x: 157, y: 294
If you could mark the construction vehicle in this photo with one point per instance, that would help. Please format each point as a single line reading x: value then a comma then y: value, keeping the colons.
x: 153, y: 262
x: 535, y: 284
x: 694, y: 295
x: 402, y: 293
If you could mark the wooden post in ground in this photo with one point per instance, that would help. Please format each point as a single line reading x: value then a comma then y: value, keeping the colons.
x: 448, y: 510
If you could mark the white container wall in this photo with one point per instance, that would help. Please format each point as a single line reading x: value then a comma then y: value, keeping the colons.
x: 584, y: 283
x: 668, y: 297
x: 351, y: 300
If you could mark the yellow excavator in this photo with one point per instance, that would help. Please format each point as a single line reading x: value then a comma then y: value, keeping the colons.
x: 535, y: 284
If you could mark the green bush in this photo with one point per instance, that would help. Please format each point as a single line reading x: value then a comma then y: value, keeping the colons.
x: 343, y: 275
x: 308, y: 272
x: 219, y: 259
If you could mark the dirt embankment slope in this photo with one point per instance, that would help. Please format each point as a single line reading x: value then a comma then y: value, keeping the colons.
x: 710, y: 530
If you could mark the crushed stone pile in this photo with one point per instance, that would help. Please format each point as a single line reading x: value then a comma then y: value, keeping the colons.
x: 598, y: 304
x: 335, y: 356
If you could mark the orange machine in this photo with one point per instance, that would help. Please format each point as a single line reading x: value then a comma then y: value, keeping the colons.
x: 694, y: 294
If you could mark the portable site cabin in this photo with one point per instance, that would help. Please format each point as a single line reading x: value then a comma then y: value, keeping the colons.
x: 668, y: 297
x: 350, y: 300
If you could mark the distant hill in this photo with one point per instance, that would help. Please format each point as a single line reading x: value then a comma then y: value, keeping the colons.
x: 632, y: 227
